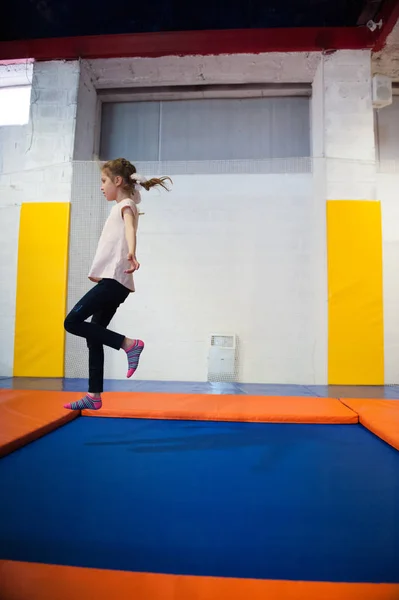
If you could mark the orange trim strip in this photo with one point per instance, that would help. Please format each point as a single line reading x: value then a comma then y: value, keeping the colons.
x: 32, y: 581
x: 381, y: 417
x: 202, y: 407
x: 27, y: 415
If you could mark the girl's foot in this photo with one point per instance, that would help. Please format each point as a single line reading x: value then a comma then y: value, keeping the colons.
x: 133, y: 352
x: 89, y: 402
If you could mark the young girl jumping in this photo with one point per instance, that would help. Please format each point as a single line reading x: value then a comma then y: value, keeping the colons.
x: 114, y: 264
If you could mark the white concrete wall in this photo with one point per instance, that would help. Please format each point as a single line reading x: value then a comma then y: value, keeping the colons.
x: 388, y: 193
x: 9, y: 227
x: 276, y: 67
x: 86, y: 116
x: 386, y: 62
x: 35, y: 158
x: 35, y: 166
x: 273, y: 292
x: 343, y: 125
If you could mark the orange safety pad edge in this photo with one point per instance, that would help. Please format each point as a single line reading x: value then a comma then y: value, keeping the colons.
x: 26, y: 415
x: 32, y: 581
x: 381, y: 417
x: 200, y: 407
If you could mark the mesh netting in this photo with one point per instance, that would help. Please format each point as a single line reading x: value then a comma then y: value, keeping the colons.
x: 88, y: 214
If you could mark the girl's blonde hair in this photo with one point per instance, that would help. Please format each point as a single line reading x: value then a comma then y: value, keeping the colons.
x: 121, y: 167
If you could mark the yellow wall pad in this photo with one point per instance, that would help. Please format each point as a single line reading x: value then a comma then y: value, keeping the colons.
x: 22, y: 581
x: 41, y: 290
x: 204, y: 407
x: 381, y: 417
x: 355, y: 293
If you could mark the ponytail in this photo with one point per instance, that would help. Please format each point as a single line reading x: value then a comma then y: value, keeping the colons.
x: 147, y: 184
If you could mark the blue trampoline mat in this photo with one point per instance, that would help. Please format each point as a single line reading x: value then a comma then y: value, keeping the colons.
x: 270, y: 501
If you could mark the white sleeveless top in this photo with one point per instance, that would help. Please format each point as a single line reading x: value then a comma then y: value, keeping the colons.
x: 110, y: 260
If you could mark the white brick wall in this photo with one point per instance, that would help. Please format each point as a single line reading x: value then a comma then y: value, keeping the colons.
x: 34, y: 167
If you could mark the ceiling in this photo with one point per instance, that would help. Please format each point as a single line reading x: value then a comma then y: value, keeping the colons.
x: 178, y: 27
x: 29, y: 19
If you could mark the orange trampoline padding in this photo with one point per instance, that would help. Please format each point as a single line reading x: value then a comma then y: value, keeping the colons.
x: 26, y: 415
x: 201, y: 407
x: 381, y: 417
x: 23, y: 581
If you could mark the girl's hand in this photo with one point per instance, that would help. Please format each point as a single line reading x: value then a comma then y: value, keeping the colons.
x: 135, y: 265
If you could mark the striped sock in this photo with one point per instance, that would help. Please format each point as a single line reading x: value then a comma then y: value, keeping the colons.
x: 133, y: 356
x: 88, y: 402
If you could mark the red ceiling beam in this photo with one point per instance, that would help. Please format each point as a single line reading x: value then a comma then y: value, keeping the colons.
x: 182, y: 43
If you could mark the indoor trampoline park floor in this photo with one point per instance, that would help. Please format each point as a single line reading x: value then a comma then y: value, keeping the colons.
x: 180, y: 491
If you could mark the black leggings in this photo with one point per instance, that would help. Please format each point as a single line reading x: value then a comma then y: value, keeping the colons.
x: 101, y: 302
